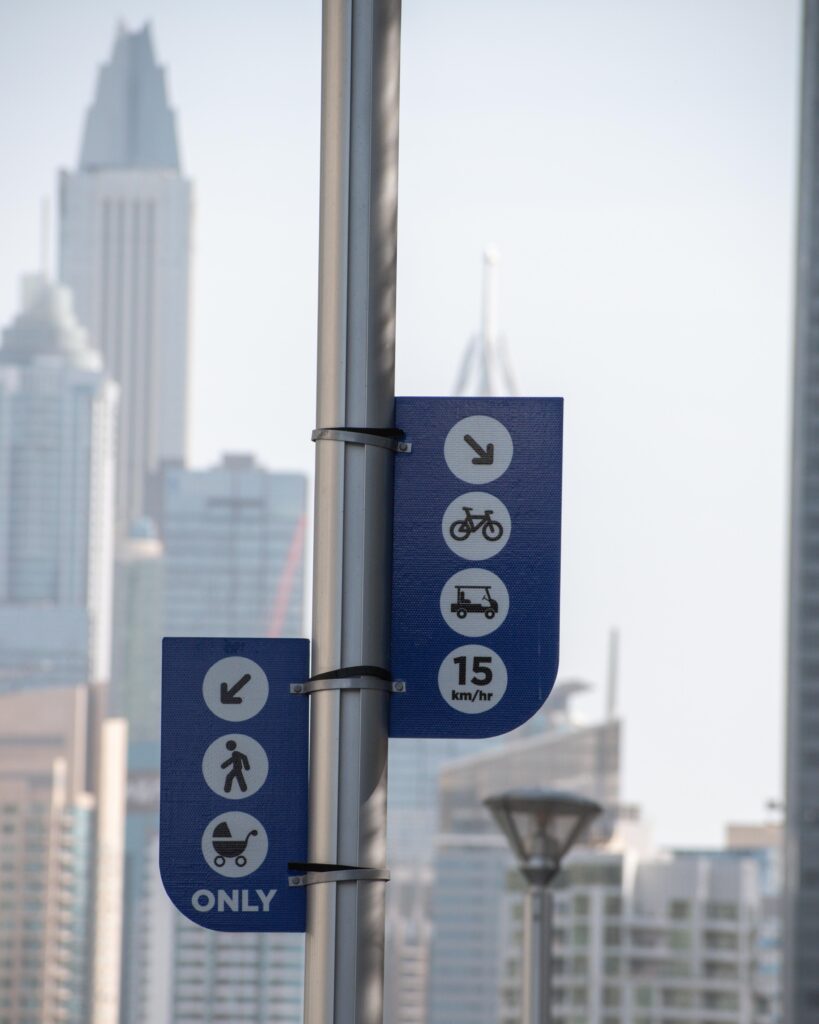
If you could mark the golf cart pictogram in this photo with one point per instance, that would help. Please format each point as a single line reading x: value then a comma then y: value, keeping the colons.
x: 228, y: 848
x: 474, y: 599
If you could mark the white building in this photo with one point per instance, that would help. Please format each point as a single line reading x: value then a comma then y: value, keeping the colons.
x: 661, y: 939
x: 62, y: 805
x: 640, y: 936
x: 138, y: 613
x: 124, y: 249
x: 57, y: 445
x: 469, y: 923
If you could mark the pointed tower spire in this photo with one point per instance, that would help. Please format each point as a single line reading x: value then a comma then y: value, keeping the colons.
x: 130, y: 123
x: 485, y: 369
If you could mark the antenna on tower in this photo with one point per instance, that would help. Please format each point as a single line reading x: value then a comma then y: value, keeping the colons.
x: 45, y: 235
x: 613, y: 671
x: 485, y: 368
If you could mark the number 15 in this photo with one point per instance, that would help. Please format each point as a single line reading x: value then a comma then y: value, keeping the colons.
x: 480, y: 666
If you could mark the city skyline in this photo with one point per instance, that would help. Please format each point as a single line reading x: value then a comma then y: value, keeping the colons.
x: 645, y: 423
x: 664, y: 500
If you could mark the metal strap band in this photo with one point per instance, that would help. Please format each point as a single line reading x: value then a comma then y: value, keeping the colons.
x: 342, y: 875
x: 352, y: 436
x: 350, y: 683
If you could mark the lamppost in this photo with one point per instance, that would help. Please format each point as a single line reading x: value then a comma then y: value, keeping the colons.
x: 541, y: 826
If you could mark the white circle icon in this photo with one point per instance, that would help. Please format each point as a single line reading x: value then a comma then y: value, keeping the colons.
x: 474, y: 602
x: 478, y: 449
x: 235, y: 766
x: 234, y: 844
x: 472, y: 679
x: 476, y: 525
x: 235, y: 689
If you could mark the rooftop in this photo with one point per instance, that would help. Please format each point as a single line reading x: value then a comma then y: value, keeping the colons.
x: 130, y: 124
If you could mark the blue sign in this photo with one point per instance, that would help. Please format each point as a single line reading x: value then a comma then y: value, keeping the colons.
x: 233, y: 802
x: 476, y: 563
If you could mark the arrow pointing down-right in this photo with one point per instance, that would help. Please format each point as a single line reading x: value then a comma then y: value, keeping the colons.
x: 485, y: 456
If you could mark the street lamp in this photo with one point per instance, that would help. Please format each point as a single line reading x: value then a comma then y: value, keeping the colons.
x: 541, y: 826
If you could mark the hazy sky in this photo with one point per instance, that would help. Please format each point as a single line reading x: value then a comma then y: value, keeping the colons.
x: 634, y: 162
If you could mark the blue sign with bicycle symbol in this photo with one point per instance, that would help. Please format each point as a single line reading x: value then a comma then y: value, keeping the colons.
x: 476, y: 557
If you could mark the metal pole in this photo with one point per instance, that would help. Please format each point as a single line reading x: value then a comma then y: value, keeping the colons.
x: 344, y: 974
x: 537, y: 966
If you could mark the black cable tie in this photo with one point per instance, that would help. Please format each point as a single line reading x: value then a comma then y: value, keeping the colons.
x: 390, y: 438
x: 297, y: 865
x: 375, y: 431
x: 356, y: 672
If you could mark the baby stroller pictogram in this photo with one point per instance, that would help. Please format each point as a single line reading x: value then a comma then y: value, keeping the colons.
x: 229, y: 848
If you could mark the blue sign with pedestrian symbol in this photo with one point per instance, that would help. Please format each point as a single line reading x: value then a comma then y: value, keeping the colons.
x: 233, y: 803
x: 476, y: 563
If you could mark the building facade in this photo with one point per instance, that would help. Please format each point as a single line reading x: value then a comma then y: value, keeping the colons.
x: 234, y: 549
x: 232, y: 540
x: 802, y: 743
x: 136, y: 667
x: 470, y: 927
x: 62, y: 792
x: 647, y: 940
x: 124, y: 250
x: 57, y: 451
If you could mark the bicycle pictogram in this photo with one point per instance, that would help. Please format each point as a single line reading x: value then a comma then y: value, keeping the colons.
x: 462, y: 529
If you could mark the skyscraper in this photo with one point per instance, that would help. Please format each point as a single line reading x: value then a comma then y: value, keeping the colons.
x: 137, y: 655
x: 234, y: 549
x: 802, y: 769
x: 233, y: 565
x: 124, y: 249
x: 472, y: 861
x: 57, y: 439
x: 62, y: 796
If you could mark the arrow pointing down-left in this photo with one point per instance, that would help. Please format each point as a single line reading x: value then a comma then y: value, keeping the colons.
x: 227, y: 694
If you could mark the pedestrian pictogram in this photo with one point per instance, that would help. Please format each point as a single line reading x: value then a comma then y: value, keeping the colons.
x: 237, y: 762
x: 477, y: 565
x: 210, y: 771
x: 235, y: 766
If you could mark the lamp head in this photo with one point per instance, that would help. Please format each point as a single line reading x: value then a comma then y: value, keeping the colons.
x: 541, y: 826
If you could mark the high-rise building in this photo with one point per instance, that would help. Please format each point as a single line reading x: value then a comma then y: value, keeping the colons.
x: 234, y: 549
x: 124, y: 249
x: 57, y: 445
x: 138, y: 619
x: 233, y: 565
x: 408, y: 938
x: 763, y: 844
x: 62, y: 796
x: 470, y: 936
x: 802, y: 765
x: 645, y: 939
